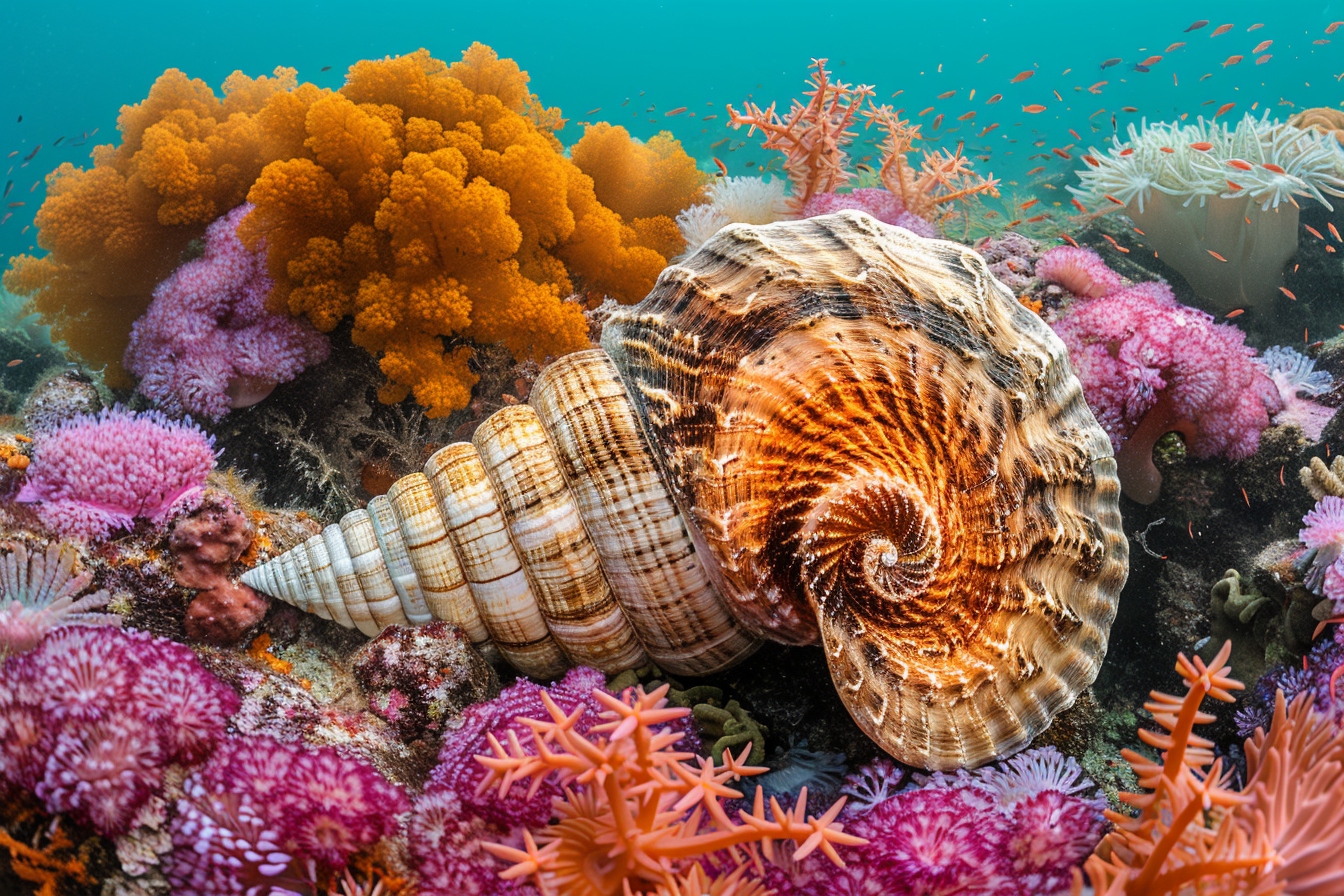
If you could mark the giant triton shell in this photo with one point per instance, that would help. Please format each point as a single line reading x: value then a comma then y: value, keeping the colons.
x: 823, y: 430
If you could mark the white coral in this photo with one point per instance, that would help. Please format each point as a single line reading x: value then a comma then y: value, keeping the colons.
x: 732, y: 200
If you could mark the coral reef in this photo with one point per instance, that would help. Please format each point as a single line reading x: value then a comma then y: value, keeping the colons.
x: 92, y: 717
x: 93, y: 475
x: 732, y: 200
x: 882, y: 204
x: 419, y: 678
x: 40, y: 592
x: 1150, y: 366
x: 206, y: 545
x: 207, y: 342
x: 1217, y: 203
x: 631, y: 798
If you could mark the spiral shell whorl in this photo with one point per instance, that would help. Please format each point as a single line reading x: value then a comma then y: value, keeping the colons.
x: 884, y: 451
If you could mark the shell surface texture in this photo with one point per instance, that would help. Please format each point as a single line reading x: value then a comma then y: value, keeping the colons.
x: 828, y: 430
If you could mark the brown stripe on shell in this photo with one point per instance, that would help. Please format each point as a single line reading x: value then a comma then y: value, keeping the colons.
x: 882, y: 450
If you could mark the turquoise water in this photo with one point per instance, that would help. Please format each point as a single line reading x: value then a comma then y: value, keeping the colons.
x: 67, y: 68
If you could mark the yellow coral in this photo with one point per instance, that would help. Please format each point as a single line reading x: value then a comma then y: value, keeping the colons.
x: 638, y: 180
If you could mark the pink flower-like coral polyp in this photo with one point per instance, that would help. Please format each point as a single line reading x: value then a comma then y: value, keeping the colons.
x: 97, y: 474
x: 1079, y: 269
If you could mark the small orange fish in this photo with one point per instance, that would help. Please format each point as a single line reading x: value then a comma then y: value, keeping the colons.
x: 1119, y: 248
x: 1332, y: 27
x: 1239, y: 164
x: 1091, y: 161
x: 1166, y: 149
x: 947, y: 95
x: 1013, y: 223
x: 1232, y: 60
x: 1333, y: 232
x: 1028, y: 204
x: 1129, y: 109
x: 1096, y: 88
x: 1288, y: 292
x: 1075, y: 134
x: 1175, y: 46
x: 1225, y: 107
x: 937, y: 120
x: 17, y: 204
x: 1033, y: 108
x: 1035, y: 171
x: 1139, y: 232
x: 1231, y: 314
x: 966, y: 117
x: 994, y: 99
x: 1127, y: 151
x: 1215, y: 255
x: 924, y: 112
x: 1221, y: 29
x: 1262, y: 46
x: 12, y: 154
x: 1321, y: 43
x: 1068, y: 239
x: 1022, y: 76
x: 1234, y: 187
x: 723, y: 169
x: 1057, y: 96
x: 1256, y: 27
x: 1037, y: 219
x: 1113, y: 199
x: 989, y: 128
x: 1061, y: 153
x: 1078, y: 205
x: 1151, y: 60
x: 1263, y: 59
x: 593, y: 111
x: 1202, y: 146
x: 982, y: 59
x: 677, y: 111
x: 717, y: 143
x: 1313, y: 231
x: 15, y: 363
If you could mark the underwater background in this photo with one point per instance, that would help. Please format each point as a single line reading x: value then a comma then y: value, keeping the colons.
x: 253, y: 636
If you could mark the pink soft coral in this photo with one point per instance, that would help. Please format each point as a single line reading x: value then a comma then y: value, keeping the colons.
x: 1323, y: 532
x: 1080, y: 270
x: 95, y: 475
x: 881, y: 204
x: 1150, y: 365
x: 207, y: 342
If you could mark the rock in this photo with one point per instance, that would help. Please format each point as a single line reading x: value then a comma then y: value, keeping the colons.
x: 417, y: 678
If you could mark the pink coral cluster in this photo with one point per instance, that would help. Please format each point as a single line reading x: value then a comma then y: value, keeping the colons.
x: 266, y: 813
x: 882, y: 204
x: 1323, y: 532
x: 96, y: 474
x: 90, y: 719
x: 42, y: 592
x: 1078, y: 269
x: 207, y: 342
x: 447, y: 844
x: 995, y: 832
x: 1150, y: 365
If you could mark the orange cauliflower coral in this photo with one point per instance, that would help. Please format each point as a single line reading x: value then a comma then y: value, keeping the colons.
x: 113, y: 231
x: 436, y: 211
x: 638, y: 180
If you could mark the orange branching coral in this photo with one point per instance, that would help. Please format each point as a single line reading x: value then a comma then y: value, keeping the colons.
x: 1195, y: 834
x: 638, y: 180
x: 51, y: 861
x: 113, y: 231
x: 433, y: 211
x: 944, y: 176
x: 814, y: 135
x: 638, y: 817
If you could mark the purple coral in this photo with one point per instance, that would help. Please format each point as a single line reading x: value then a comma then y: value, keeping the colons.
x: 97, y: 474
x: 43, y: 591
x: 1078, y: 269
x: 1150, y: 365
x: 882, y: 204
x: 1298, y: 382
x: 459, y: 772
x: 90, y: 718
x: 207, y: 342
x: 1323, y: 532
x: 1318, y: 676
x: 446, y: 840
x: 312, y: 808
x: 994, y: 832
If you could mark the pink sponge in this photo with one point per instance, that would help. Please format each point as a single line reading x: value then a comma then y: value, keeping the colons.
x: 881, y: 204
x: 1079, y: 270
x: 96, y: 474
x: 1150, y: 365
x: 207, y: 342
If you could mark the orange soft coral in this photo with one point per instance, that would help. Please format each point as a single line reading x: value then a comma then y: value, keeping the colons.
x: 813, y: 137
x: 113, y: 231
x: 638, y: 180
x: 1195, y: 833
x: 436, y: 212
x: 639, y: 817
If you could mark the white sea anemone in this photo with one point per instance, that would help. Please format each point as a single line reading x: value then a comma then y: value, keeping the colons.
x: 1218, y: 203
x: 732, y: 200
x: 698, y: 223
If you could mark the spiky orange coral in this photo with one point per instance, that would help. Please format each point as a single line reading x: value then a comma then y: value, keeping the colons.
x: 1194, y: 833
x: 638, y: 817
x: 814, y: 135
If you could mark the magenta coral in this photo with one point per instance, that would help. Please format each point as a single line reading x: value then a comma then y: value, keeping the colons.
x: 41, y: 592
x: 92, y: 716
x: 97, y: 474
x: 313, y: 808
x: 1079, y: 269
x: 1150, y: 365
x: 882, y: 204
x: 207, y: 342
x: 446, y: 842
